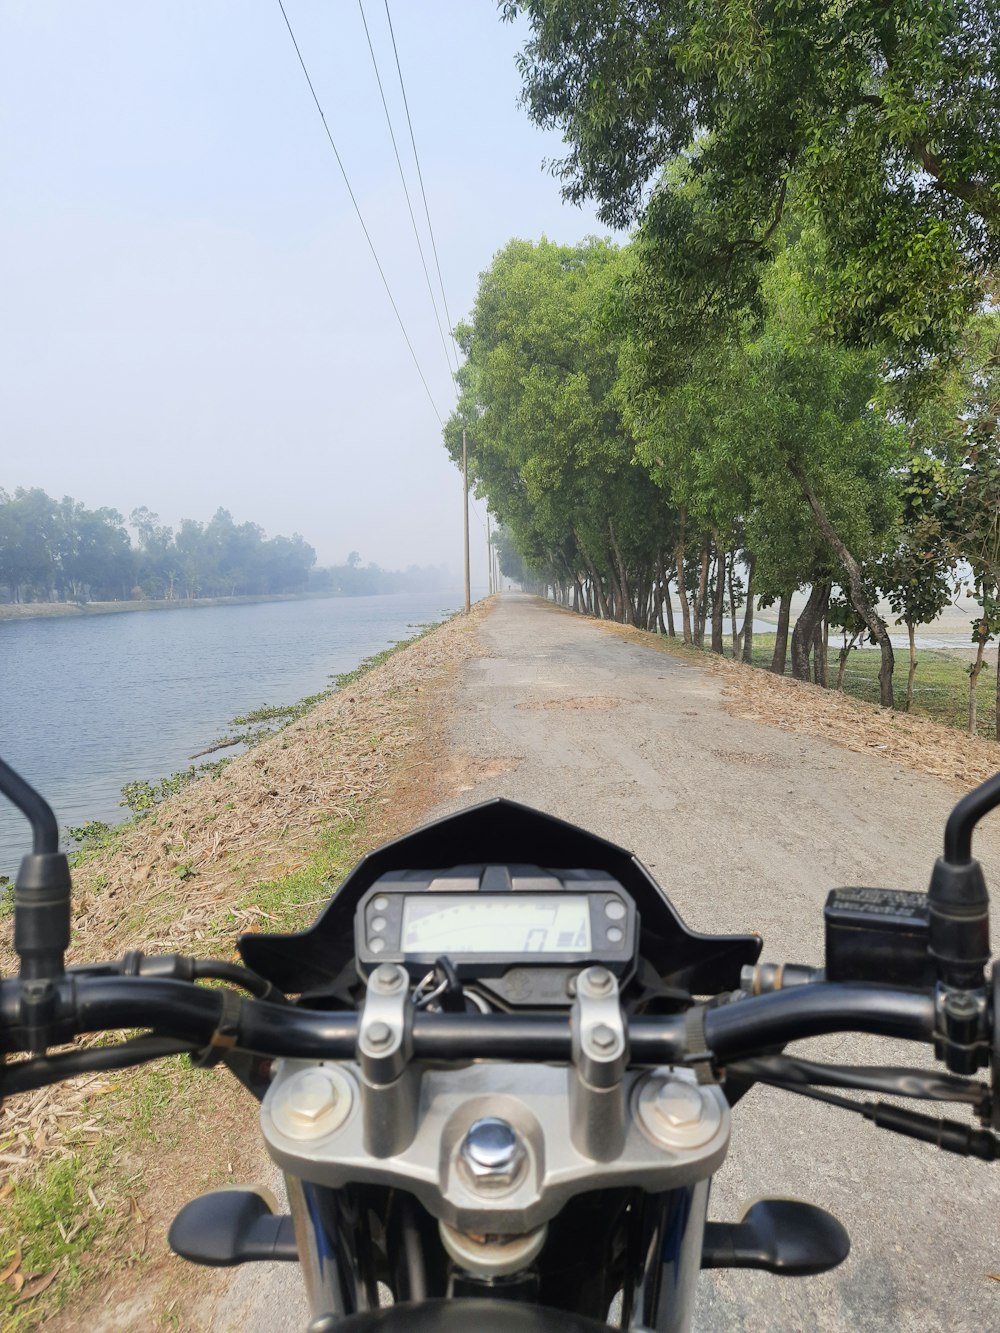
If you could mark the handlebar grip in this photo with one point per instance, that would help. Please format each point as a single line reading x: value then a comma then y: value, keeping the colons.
x: 814, y: 1010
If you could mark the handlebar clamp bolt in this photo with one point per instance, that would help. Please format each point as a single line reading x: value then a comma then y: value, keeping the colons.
x: 387, y: 978
x: 378, y: 1036
x: 603, y: 1039
x: 598, y: 980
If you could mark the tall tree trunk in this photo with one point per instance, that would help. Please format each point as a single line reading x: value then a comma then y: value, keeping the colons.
x: 732, y: 606
x: 747, y: 634
x: 780, y: 653
x: 701, y: 597
x: 681, y: 590
x: 805, y: 628
x: 974, y: 671
x: 820, y: 675
x: 643, y: 598
x: 668, y: 606
x: 719, y: 600
x: 656, y: 598
x: 628, y: 610
x: 614, y: 590
x: 910, y: 629
x: 875, y: 623
x: 596, y: 582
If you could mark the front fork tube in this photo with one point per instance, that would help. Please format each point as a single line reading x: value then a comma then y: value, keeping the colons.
x: 334, y: 1251
x: 671, y: 1232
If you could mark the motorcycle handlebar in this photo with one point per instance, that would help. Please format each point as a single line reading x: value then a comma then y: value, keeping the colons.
x: 191, y: 1013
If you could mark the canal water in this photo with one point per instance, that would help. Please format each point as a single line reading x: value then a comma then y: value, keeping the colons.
x: 90, y: 703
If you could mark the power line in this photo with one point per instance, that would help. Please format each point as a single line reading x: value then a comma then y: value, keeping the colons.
x: 420, y: 177
x: 357, y: 210
x: 406, y: 192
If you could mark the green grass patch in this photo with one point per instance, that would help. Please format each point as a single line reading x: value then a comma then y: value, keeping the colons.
x: 93, y: 838
x: 293, y: 900
x: 940, y: 687
x: 51, y: 1221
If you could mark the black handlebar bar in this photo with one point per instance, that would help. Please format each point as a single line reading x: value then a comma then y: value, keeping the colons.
x: 191, y: 1013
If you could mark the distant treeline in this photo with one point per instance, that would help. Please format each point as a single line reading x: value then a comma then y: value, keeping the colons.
x: 60, y: 551
x: 356, y: 580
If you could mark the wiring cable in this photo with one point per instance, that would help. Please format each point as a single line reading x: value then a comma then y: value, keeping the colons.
x: 420, y: 178
x: 364, y: 228
x: 949, y: 1135
x: 785, y: 1070
x: 29, y: 1075
x: 452, y: 369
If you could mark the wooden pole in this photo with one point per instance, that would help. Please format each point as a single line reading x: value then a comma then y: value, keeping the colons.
x: 489, y: 553
x: 465, y: 518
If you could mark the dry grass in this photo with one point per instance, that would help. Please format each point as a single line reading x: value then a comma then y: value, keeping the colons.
x: 915, y: 742
x: 918, y: 743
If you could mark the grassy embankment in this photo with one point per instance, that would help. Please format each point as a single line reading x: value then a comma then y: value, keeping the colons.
x: 96, y: 1168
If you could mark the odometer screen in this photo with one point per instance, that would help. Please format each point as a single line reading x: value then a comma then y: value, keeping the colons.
x: 513, y: 923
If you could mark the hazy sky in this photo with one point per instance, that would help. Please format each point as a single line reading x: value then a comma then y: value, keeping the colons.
x: 189, y: 314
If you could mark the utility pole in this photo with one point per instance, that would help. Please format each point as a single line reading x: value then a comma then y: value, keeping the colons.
x: 489, y: 551
x: 465, y: 516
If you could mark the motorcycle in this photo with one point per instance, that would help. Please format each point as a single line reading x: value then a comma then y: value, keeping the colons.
x: 498, y: 1071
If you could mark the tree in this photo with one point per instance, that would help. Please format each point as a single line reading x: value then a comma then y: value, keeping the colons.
x: 771, y: 405
x: 953, y: 492
x: 882, y: 121
x: 916, y: 577
x: 156, y: 562
x: 547, y: 442
x: 32, y: 534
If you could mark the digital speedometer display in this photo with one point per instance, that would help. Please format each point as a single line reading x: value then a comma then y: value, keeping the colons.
x: 510, y: 923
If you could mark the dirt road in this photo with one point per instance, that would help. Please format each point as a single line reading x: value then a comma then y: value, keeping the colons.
x: 747, y: 827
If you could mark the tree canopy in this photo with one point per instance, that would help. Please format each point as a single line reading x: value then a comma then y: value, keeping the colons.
x: 880, y: 121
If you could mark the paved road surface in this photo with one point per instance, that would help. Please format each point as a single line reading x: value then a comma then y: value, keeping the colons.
x: 747, y: 827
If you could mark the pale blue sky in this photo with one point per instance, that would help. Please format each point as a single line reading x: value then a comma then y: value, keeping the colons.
x: 189, y: 315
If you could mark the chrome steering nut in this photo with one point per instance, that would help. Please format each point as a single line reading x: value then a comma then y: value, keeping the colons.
x: 492, y: 1157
